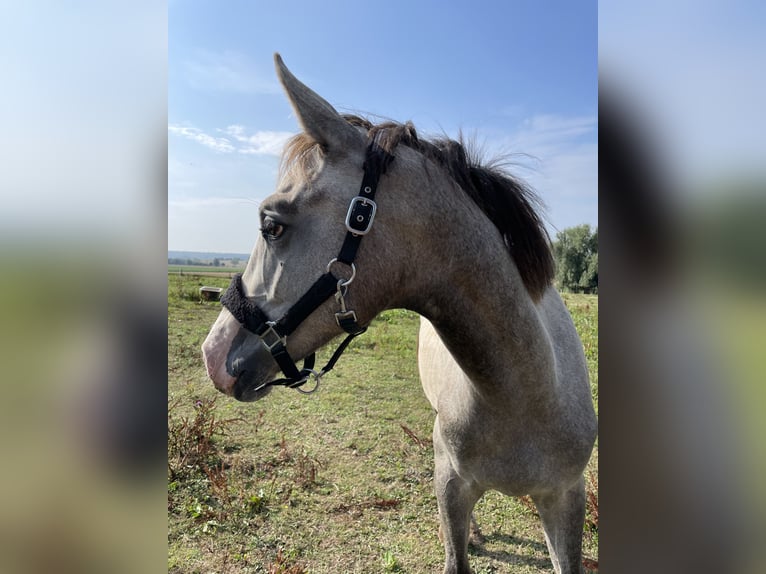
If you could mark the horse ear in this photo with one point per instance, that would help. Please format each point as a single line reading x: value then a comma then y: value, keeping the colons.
x: 317, y: 117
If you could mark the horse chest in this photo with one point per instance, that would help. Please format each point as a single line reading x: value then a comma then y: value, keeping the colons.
x: 489, y: 449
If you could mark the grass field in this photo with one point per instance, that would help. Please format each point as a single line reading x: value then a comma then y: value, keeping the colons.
x: 335, y: 482
x: 206, y: 269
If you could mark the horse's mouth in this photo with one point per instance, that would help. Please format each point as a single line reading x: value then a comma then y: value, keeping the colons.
x: 247, y: 390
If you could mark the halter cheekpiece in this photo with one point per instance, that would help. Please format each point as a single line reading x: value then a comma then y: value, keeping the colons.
x: 273, y: 334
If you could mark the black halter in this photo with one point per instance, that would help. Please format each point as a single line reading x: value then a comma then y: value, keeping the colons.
x: 273, y: 334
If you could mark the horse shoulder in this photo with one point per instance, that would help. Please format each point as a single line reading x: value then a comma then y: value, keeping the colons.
x: 436, y: 364
x: 570, y: 365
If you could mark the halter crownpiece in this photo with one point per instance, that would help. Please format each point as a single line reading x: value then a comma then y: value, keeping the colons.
x: 273, y: 334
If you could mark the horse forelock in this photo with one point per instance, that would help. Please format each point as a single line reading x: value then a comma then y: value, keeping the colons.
x: 512, y: 206
x: 301, y: 153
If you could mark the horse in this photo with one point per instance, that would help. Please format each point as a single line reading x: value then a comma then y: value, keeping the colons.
x: 434, y: 230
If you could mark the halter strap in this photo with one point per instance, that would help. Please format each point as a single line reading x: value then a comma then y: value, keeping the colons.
x: 273, y: 334
x: 360, y: 217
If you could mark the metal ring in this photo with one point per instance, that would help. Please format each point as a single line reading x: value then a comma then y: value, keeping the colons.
x: 343, y: 282
x: 317, y: 379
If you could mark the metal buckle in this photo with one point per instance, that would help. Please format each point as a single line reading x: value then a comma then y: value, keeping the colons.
x: 275, y: 337
x: 344, y: 315
x: 365, y: 217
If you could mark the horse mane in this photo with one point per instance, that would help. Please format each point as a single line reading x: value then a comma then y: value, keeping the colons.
x: 509, y: 203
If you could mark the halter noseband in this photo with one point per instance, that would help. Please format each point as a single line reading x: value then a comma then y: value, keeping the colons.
x: 273, y: 334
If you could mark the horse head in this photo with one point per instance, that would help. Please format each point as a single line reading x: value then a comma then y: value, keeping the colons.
x: 304, y: 229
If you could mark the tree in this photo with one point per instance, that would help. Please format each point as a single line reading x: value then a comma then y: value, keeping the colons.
x: 576, y: 254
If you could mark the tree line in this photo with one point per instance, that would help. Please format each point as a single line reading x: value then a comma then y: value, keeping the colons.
x: 575, y: 251
x: 216, y: 262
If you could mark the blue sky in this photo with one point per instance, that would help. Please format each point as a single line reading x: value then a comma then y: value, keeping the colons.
x: 693, y: 73
x: 519, y: 77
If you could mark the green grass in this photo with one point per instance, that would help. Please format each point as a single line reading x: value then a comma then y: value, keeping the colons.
x: 191, y: 269
x: 338, y: 481
x: 584, y: 310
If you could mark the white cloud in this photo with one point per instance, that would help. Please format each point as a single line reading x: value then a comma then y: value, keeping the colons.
x: 197, y: 135
x: 228, y: 71
x: 220, y: 193
x: 260, y: 142
x: 564, y: 169
x: 544, y: 135
x: 256, y: 143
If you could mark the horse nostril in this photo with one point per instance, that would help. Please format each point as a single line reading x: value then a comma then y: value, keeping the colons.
x: 235, y: 367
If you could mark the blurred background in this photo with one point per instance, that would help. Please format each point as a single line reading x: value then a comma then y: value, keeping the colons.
x: 83, y: 283
x: 83, y: 286
x: 682, y: 196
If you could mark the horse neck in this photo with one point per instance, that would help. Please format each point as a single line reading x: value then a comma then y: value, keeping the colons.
x: 474, y: 296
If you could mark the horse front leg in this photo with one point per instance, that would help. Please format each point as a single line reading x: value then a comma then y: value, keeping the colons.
x: 563, y: 515
x: 456, y: 499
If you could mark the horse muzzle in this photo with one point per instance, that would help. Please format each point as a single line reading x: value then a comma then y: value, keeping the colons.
x: 215, y: 364
x: 238, y: 365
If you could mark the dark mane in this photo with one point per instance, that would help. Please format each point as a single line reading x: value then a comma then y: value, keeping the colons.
x: 508, y: 202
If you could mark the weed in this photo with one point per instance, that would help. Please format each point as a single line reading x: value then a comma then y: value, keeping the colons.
x: 191, y: 444
x: 284, y: 565
x: 527, y: 501
x: 591, y: 503
x: 256, y: 503
x: 198, y: 482
x: 184, y: 291
x: 306, y: 467
x: 219, y: 483
x: 415, y: 438
x: 180, y: 288
x: 306, y: 471
x: 390, y: 563
x: 378, y: 503
x: 195, y: 509
x: 284, y: 453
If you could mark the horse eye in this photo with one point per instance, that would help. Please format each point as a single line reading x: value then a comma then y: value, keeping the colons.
x: 271, y: 229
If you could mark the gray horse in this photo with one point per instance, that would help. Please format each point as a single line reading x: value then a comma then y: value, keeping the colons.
x: 456, y: 241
